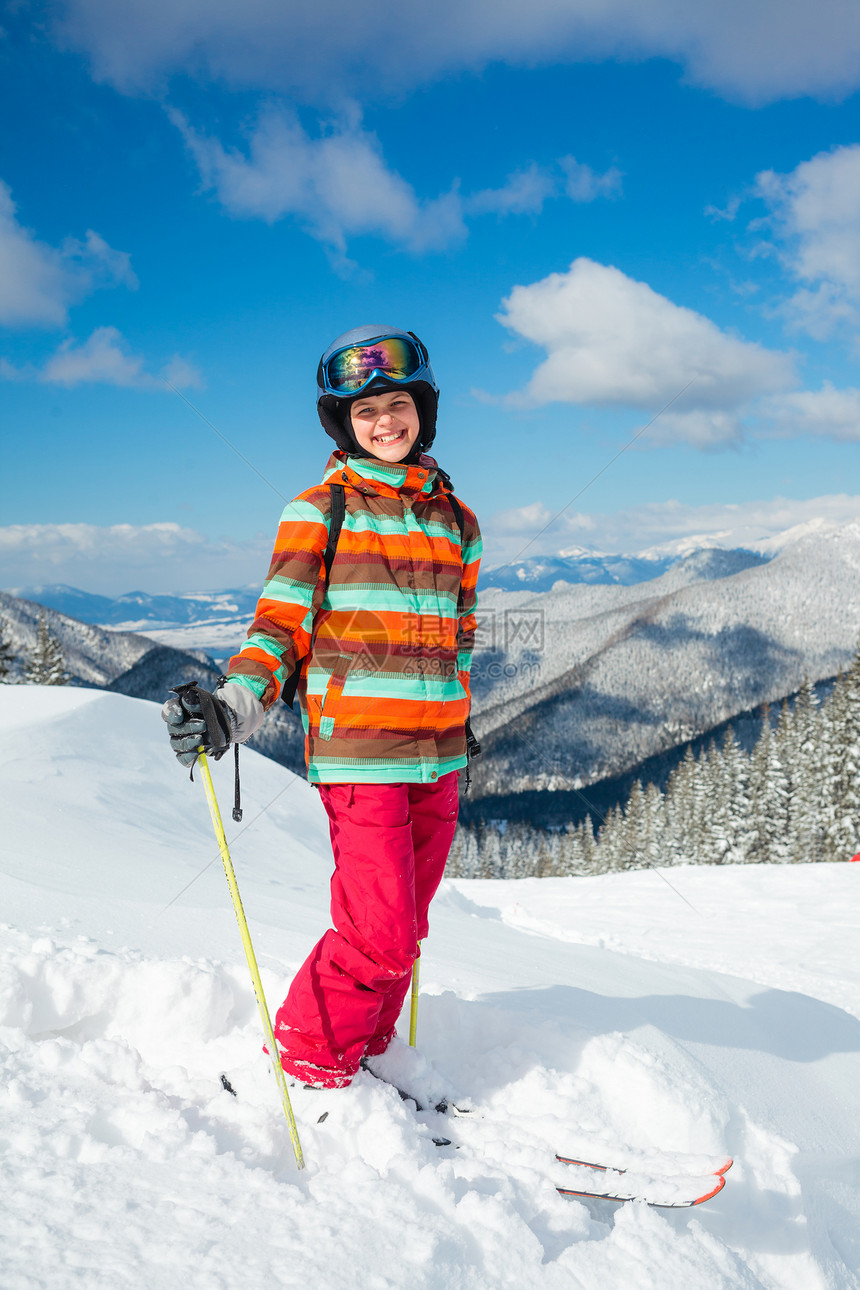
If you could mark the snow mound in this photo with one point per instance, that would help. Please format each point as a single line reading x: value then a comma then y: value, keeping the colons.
x: 124, y: 997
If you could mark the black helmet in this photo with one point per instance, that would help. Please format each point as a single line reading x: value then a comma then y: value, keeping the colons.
x: 372, y: 360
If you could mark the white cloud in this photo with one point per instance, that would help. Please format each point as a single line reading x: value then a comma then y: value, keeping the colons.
x: 337, y: 184
x: 182, y: 374
x: 613, y: 341
x: 707, y: 429
x: 829, y: 411
x: 754, y: 51
x: 99, y: 264
x: 38, y: 282
x: 584, y: 184
x: 815, y: 212
x: 524, y: 193
x: 640, y: 528
x: 105, y: 359
x: 114, y: 559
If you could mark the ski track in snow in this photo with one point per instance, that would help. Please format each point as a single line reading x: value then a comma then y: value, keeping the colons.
x: 601, y: 1017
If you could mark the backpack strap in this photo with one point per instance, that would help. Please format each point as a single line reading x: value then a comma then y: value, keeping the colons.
x: 338, y: 511
x: 461, y: 525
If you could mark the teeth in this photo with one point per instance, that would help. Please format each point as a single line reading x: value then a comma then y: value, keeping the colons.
x: 388, y: 438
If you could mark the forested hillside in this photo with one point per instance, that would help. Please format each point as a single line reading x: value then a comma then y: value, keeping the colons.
x: 793, y: 798
x: 580, y: 683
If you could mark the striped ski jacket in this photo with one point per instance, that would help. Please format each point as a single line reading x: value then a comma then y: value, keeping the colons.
x: 385, y: 648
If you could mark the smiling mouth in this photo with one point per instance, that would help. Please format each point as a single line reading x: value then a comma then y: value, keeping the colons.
x: 392, y: 437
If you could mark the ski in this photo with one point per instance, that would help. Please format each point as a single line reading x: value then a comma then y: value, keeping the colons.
x: 666, y: 1163
x: 662, y: 1191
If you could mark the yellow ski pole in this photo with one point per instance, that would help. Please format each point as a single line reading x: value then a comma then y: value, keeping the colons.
x: 250, y: 956
x: 413, y: 1006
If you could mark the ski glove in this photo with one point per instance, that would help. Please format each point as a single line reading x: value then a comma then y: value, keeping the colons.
x: 197, y: 719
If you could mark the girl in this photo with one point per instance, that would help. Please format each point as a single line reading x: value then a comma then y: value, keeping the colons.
x: 378, y: 650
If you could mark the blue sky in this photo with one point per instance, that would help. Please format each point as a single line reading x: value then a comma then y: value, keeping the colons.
x: 579, y: 213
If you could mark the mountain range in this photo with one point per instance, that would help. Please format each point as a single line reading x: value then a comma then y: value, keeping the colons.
x: 582, y: 682
x: 138, y: 666
x: 572, y: 685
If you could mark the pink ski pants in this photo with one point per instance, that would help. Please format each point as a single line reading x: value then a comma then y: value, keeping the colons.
x: 390, y: 843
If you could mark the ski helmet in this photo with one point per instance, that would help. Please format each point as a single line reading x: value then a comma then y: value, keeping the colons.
x: 372, y: 360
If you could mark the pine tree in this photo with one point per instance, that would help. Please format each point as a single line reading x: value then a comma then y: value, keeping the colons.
x: 544, y: 867
x: 680, y: 808
x: 7, y: 654
x: 590, y: 848
x: 806, y: 824
x: 733, y: 823
x: 572, y: 857
x: 657, y: 851
x: 46, y: 664
x: 611, y: 842
x: 843, y: 763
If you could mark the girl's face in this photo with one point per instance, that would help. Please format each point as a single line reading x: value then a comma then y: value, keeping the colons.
x: 386, y: 425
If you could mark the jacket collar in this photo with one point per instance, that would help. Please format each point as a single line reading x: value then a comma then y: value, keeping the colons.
x: 384, y: 478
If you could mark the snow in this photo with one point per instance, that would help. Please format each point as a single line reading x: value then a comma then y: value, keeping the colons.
x: 612, y: 1018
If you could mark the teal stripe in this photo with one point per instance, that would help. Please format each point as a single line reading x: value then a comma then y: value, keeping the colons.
x: 259, y: 640
x: 438, y: 528
x: 357, y: 770
x: 408, y: 689
x: 302, y: 512
x: 256, y: 684
x: 398, y: 525
x: 288, y: 591
x: 389, y: 685
x: 473, y: 551
x: 379, y: 598
x: 370, y: 522
x: 392, y: 473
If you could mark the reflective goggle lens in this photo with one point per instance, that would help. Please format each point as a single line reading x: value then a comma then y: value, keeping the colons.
x: 350, y: 369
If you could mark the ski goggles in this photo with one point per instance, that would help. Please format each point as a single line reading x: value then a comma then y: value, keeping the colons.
x: 349, y: 371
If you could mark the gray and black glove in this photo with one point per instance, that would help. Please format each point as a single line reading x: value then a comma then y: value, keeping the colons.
x: 199, y: 720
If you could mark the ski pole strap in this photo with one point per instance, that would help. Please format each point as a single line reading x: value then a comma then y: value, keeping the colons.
x: 237, y: 791
x: 473, y: 748
x: 473, y: 752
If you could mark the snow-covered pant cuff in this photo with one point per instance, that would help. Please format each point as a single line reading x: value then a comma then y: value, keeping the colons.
x: 316, y: 1076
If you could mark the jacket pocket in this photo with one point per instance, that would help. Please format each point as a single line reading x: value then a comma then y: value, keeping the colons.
x: 331, y: 699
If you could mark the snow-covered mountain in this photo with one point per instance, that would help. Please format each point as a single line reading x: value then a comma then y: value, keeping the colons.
x: 211, y: 621
x: 93, y: 654
x: 609, y: 1018
x: 138, y: 666
x: 581, y: 682
x: 542, y: 573
x: 136, y: 608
